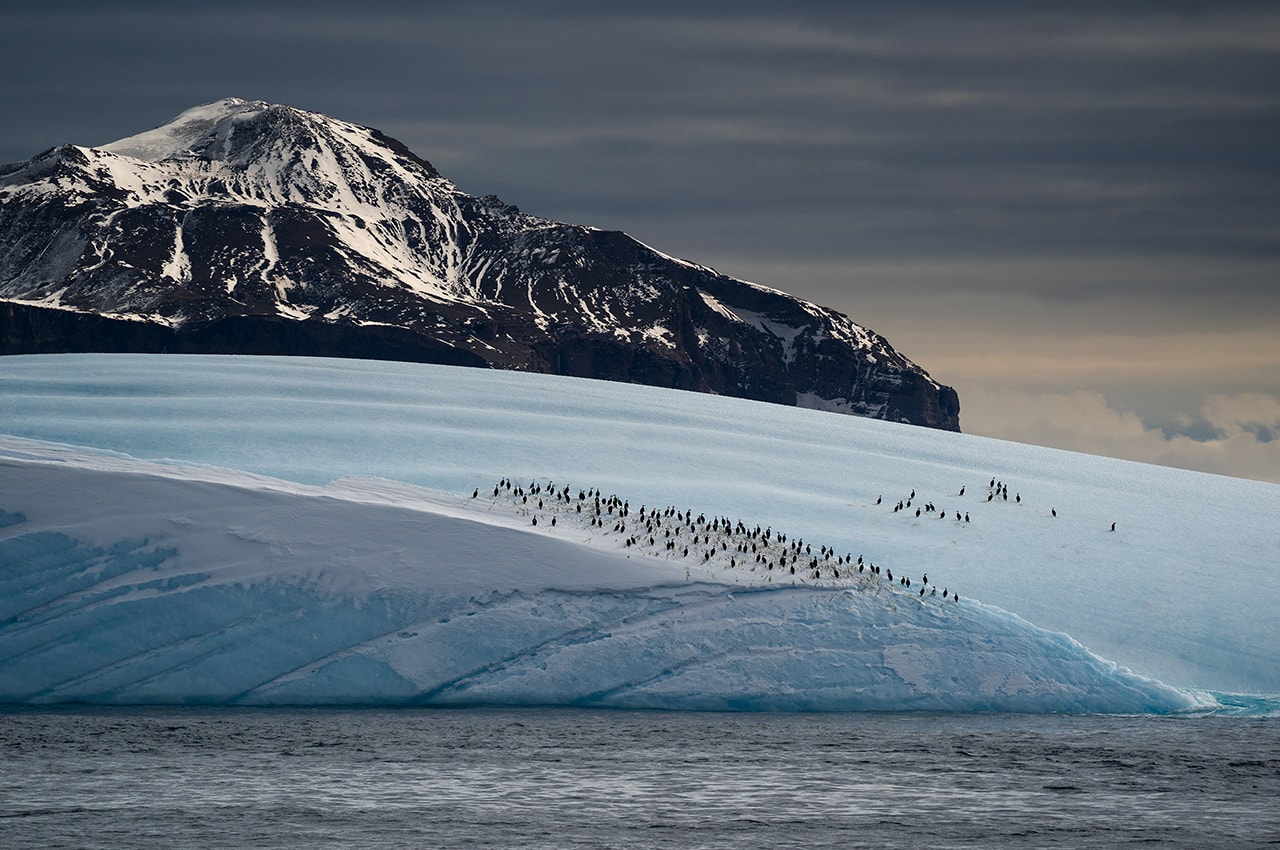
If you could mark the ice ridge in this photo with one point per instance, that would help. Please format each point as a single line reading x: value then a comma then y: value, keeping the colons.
x: 187, y: 585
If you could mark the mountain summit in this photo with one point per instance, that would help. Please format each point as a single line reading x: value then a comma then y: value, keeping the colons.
x: 248, y: 227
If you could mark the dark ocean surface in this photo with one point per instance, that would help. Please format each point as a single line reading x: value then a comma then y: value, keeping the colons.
x: 560, y: 778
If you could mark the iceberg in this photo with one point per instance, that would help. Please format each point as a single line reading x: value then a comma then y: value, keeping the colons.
x: 264, y: 531
x: 127, y: 582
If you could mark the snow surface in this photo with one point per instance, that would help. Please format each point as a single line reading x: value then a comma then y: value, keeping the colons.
x: 178, y: 135
x: 167, y: 579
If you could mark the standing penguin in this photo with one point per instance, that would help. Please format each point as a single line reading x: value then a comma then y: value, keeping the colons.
x: 1113, y: 526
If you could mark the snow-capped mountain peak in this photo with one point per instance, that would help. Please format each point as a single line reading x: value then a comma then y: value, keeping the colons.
x: 191, y: 132
x: 235, y: 216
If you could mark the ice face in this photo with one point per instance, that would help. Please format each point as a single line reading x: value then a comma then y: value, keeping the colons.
x: 128, y: 582
x: 1183, y: 591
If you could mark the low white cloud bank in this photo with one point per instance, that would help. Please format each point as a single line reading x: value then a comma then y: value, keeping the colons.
x: 1235, y: 434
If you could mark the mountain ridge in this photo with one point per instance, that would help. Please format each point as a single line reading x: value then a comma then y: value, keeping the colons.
x: 256, y: 215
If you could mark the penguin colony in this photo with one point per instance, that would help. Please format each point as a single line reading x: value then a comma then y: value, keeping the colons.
x: 705, y: 544
x: 997, y: 491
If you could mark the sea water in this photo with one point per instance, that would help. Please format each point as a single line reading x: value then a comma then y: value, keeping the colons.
x: 564, y: 778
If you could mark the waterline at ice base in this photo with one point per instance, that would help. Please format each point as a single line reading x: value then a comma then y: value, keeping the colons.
x: 276, y: 531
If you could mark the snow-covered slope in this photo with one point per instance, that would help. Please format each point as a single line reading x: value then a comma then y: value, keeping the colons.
x: 248, y: 227
x: 131, y: 583
x: 166, y: 580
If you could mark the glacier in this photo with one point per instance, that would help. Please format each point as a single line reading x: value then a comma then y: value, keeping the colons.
x: 250, y: 530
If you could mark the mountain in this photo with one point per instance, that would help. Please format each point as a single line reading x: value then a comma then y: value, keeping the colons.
x: 252, y: 228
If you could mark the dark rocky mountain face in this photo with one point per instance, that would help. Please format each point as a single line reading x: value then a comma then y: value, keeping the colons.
x: 244, y: 227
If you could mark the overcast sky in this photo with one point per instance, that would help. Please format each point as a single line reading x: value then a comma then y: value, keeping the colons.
x: 1069, y: 212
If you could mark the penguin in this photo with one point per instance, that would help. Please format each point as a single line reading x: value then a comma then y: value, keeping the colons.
x: 913, y: 493
x: 966, y: 517
x: 1113, y: 526
x: 962, y: 490
x: 1053, y: 511
x: 535, y: 520
x: 553, y: 520
x: 926, y: 579
x: 1019, y: 499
